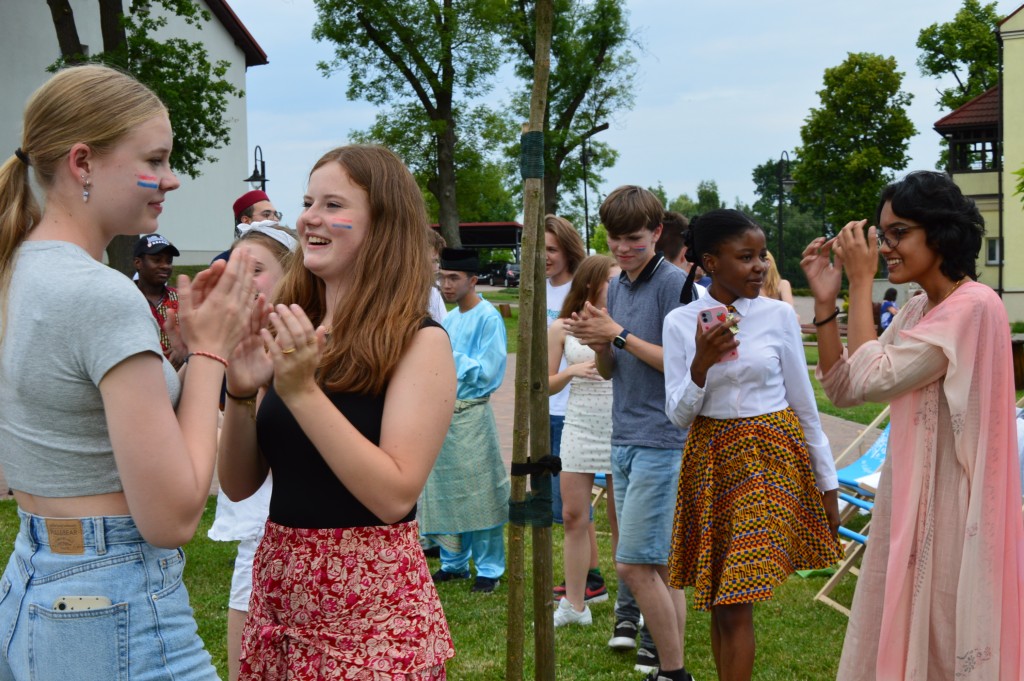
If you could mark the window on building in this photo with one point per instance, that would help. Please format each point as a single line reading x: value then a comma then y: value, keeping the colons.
x: 993, y: 253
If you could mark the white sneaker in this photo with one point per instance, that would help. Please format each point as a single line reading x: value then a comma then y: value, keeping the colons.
x: 566, y: 614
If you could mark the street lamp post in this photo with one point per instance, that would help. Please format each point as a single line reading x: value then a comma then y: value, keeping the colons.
x: 258, y: 179
x: 585, y: 157
x: 785, y: 186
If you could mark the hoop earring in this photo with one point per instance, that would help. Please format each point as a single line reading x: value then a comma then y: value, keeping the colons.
x: 86, y: 183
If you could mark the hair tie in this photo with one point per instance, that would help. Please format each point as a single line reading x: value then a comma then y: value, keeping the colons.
x: 22, y: 156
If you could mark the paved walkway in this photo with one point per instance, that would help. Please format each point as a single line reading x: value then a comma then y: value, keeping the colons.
x: 840, y: 432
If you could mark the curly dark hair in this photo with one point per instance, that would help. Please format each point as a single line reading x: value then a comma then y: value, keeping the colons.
x: 952, y: 223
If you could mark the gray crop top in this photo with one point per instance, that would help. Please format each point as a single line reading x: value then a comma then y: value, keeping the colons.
x: 70, y: 319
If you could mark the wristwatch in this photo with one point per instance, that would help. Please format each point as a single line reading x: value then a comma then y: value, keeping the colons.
x: 620, y: 340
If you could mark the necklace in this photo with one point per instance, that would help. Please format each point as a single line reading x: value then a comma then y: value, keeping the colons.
x: 953, y: 288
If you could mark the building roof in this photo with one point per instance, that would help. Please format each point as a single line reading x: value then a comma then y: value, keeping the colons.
x: 983, y: 110
x: 254, y: 54
x: 489, y: 234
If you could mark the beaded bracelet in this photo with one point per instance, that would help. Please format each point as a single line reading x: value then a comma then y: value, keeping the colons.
x: 212, y: 356
x: 826, y: 320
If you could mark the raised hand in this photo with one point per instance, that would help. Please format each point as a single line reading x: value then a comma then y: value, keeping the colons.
x: 295, y: 351
x: 858, y: 251
x: 214, y: 314
x: 824, y: 276
x: 712, y: 345
x: 592, y: 326
x: 251, y: 367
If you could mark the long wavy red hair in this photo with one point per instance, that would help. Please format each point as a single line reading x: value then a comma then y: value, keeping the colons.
x: 384, y: 307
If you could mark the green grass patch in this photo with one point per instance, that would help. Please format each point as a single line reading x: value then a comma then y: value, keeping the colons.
x: 863, y: 413
x: 797, y: 638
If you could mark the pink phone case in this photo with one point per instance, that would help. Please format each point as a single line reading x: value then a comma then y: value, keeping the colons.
x: 712, y: 317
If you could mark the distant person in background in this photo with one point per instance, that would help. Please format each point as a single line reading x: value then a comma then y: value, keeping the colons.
x: 586, y: 438
x: 153, y: 260
x: 436, y: 306
x: 889, y: 308
x: 272, y: 250
x: 252, y: 208
x: 672, y: 244
x: 465, y: 500
x: 563, y: 252
x: 775, y: 287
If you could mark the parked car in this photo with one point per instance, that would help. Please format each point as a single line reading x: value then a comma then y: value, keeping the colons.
x: 492, y: 274
x: 511, y: 275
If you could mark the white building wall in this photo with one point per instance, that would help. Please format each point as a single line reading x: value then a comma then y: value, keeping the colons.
x: 197, y: 217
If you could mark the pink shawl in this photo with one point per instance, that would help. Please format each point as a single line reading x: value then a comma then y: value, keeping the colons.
x: 971, y: 329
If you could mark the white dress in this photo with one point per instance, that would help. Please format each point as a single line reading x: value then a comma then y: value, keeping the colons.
x: 587, y: 434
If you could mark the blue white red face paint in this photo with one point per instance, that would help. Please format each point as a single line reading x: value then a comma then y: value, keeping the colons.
x: 639, y: 249
x: 148, y: 181
x: 341, y: 225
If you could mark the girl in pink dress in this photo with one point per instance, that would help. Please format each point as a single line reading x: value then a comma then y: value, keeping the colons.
x: 939, y: 592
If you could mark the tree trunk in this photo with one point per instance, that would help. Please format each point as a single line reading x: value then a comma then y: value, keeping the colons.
x: 448, y: 209
x: 531, y: 400
x: 71, y: 47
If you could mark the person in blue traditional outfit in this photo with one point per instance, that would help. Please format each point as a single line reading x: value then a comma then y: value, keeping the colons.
x: 465, y: 501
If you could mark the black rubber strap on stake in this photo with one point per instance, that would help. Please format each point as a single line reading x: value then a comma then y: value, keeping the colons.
x: 531, y: 157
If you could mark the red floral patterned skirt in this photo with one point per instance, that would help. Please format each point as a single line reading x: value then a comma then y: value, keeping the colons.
x: 345, y: 603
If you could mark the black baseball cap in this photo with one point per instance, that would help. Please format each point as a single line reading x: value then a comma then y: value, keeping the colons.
x: 153, y: 244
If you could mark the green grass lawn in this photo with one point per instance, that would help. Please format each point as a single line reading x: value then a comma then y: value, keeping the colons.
x: 797, y: 637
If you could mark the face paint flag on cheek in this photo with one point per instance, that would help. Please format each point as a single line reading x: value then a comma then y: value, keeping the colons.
x: 341, y: 225
x: 148, y: 181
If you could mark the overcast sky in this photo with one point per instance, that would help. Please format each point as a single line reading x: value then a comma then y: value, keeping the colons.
x: 722, y: 87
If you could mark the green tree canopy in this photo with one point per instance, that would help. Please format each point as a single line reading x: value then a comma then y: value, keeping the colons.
x: 432, y: 54
x: 592, y: 72
x: 177, y: 70
x: 854, y: 141
x: 485, y: 191
x: 965, y: 48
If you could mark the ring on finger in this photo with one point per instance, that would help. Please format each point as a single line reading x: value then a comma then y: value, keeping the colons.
x: 287, y: 351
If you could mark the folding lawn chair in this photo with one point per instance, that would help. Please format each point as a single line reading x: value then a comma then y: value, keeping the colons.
x: 599, y: 489
x: 856, y: 494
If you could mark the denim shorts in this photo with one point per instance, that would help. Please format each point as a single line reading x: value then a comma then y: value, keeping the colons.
x: 146, y: 633
x: 646, y: 480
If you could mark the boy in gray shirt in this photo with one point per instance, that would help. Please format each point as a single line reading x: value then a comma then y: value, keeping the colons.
x: 646, y: 446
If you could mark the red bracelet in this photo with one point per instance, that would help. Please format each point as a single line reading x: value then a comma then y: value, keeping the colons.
x: 210, y: 355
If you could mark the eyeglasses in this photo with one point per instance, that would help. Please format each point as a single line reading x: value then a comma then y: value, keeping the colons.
x: 271, y: 214
x: 892, y: 237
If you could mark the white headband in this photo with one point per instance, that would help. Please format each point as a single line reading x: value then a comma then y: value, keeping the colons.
x: 268, y: 227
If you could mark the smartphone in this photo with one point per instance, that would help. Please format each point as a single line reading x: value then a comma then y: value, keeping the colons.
x: 73, y: 603
x: 712, y: 317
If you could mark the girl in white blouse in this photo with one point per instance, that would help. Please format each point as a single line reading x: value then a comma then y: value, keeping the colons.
x: 748, y: 514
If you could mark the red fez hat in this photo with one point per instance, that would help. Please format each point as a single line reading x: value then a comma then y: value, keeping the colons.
x: 248, y: 199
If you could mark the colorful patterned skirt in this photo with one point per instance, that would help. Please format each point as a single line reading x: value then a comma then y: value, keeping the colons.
x: 345, y: 603
x: 748, y: 514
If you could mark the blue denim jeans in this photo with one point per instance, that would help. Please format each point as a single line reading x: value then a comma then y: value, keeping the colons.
x: 646, y: 481
x: 557, y: 423
x: 147, y: 633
